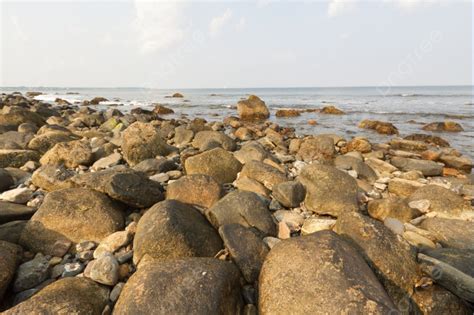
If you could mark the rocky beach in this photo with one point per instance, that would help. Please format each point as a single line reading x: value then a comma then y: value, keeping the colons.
x: 112, y: 211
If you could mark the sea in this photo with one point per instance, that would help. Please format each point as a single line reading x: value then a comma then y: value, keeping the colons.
x: 408, y: 108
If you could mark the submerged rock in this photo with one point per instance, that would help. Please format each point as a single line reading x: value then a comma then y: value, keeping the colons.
x: 381, y: 127
x: 450, y: 126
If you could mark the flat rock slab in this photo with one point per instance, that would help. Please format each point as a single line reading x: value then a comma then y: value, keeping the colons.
x: 461, y: 259
x: 428, y: 168
x: 441, y: 199
x: 451, y: 233
x: 187, y: 286
x: 13, y: 212
x: 319, y: 273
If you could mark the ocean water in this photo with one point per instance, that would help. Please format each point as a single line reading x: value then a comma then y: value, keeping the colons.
x: 408, y: 108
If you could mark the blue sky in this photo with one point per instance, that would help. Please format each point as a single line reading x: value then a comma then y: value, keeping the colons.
x: 192, y: 44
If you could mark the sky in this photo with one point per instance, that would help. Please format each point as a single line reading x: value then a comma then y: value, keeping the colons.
x: 231, y: 44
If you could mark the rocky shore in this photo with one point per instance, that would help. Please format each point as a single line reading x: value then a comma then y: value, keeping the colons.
x: 108, y: 212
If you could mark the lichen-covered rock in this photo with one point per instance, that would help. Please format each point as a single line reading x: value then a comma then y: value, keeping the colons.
x: 52, y: 177
x: 17, y: 158
x: 319, y: 273
x: 42, y: 143
x: 252, y: 108
x: 171, y: 229
x: 185, y: 286
x: 71, y: 154
x: 199, y: 190
x: 73, y: 214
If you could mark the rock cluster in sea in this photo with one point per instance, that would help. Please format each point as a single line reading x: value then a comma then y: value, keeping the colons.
x: 107, y: 212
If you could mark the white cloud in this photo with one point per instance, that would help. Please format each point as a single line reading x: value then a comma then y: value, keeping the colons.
x: 159, y: 24
x: 338, y: 7
x: 240, y: 26
x: 218, y: 22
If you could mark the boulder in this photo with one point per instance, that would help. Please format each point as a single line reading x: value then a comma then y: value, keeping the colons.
x: 171, y: 229
x: 249, y: 184
x: 381, y: 127
x: 461, y: 259
x: 71, y: 154
x: 429, y: 139
x: 252, y: 151
x: 125, y: 185
x: 392, y: 259
x: 359, y: 144
x: 247, y: 250
x: 320, y: 148
x: 409, y: 145
x: 329, y: 190
x: 6, y: 180
x: 31, y: 273
x: 141, y: 141
x: 458, y: 162
x: 288, y: 113
x: 72, y: 295
x: 18, y: 116
x: 10, y: 255
x: 289, y: 194
x: 450, y: 126
x: 242, y: 207
x: 451, y: 233
x: 15, y: 140
x: 19, y: 195
x: 73, y: 215
x: 162, y: 110
x: 17, y: 158
x: 319, y: 273
x: 198, y: 190
x: 183, y: 135
x: 204, y: 140
x: 96, y: 100
x: 107, y: 161
x: 12, y: 212
x: 332, y: 110
x: 263, y: 173
x: 155, y: 166
x: 11, y: 231
x: 364, y: 171
x: 42, y: 143
x: 52, y: 177
x: 392, y: 207
x: 252, y: 108
x: 187, y: 286
x: 437, y: 300
x: 177, y: 95
x: 217, y: 163
x: 403, y: 187
x: 428, y: 168
x: 441, y: 200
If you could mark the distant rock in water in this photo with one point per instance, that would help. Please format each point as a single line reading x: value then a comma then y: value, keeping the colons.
x: 449, y: 126
x: 97, y: 100
x: 162, y: 110
x: 332, y: 110
x: 252, y: 108
x: 430, y: 139
x: 381, y: 127
x: 288, y: 113
x: 178, y: 95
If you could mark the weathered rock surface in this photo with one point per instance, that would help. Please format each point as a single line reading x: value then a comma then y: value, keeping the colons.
x: 12, y: 212
x: 72, y: 295
x: 71, y: 154
x: 199, y: 190
x: 263, y: 173
x: 171, y: 229
x: 441, y: 200
x: 289, y: 194
x: 154, y: 166
x: 450, y: 126
x: 458, y: 162
x: 461, y: 259
x: 329, y: 190
x: 247, y: 250
x: 42, y: 143
x: 364, y: 171
x: 252, y: 108
x: 392, y: 207
x: 6, y: 180
x: 451, y: 233
x: 428, y: 168
x: 31, y: 273
x: 437, y: 300
x: 52, y: 177
x: 381, y: 127
x: 332, y: 110
x: 242, y: 207
x: 319, y: 273
x: 11, y: 231
x: 403, y: 187
x: 217, y: 163
x: 204, y: 140
x: 17, y: 158
x: 252, y: 151
x: 9, y: 259
x: 73, y: 214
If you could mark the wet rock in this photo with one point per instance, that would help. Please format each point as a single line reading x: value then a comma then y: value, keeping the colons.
x: 332, y: 110
x: 217, y: 163
x: 105, y: 270
x: 441, y: 200
x: 320, y: 148
x: 72, y: 295
x: 393, y: 260
x: 9, y: 259
x: 19, y: 195
x: 162, y: 110
x: 193, y: 285
x: 381, y: 127
x: 171, y: 230
x: 212, y: 139
x: 71, y: 214
x: 141, y: 141
x: 242, y: 207
x: 130, y: 187
x: 246, y: 249
x: 252, y: 109
x: 6, y: 180
x: 71, y: 154
x: 289, y: 194
x: 31, y: 273
x: 17, y: 158
x: 428, y: 168
x: 450, y: 126
x: 343, y: 282
x: 451, y: 233
x: 392, y: 207
x: 13, y: 212
x: 263, y: 173
x: 287, y: 113
x: 199, y: 190
x: 328, y: 190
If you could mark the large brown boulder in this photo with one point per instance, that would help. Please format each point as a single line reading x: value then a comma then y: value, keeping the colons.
x: 242, y: 207
x: 450, y: 126
x: 329, y: 190
x: 263, y: 173
x: 72, y: 295
x: 46, y: 141
x: 16, y: 117
x: 125, y: 185
x: 187, y: 286
x: 9, y: 259
x: 74, y: 214
x: 141, y: 141
x: 392, y: 207
x: 171, y: 229
x: 319, y: 273
x: 71, y: 154
x: 441, y: 200
x: 320, y: 148
x: 381, y: 127
x: 217, y: 163
x: 252, y: 108
x: 206, y: 139
x: 451, y: 233
x: 391, y: 258
x: 198, y: 190
x: 332, y: 110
